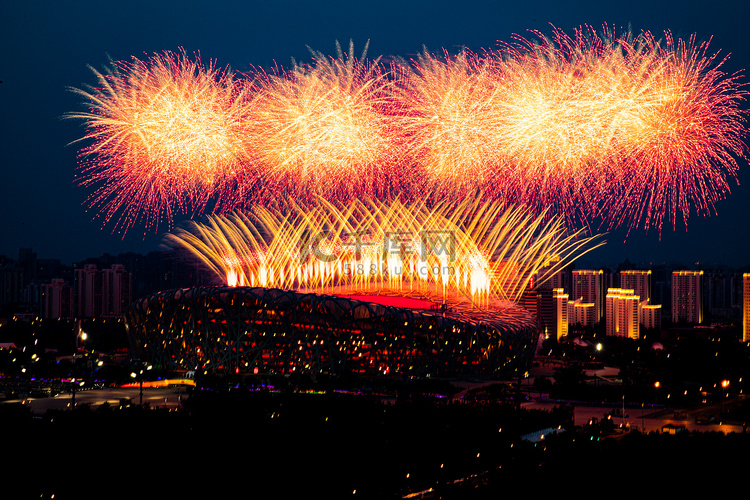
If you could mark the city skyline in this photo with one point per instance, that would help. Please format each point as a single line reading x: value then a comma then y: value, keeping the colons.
x: 48, y: 211
x: 23, y: 283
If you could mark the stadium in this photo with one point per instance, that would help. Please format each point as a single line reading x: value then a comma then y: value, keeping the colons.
x: 256, y: 330
x: 338, y: 291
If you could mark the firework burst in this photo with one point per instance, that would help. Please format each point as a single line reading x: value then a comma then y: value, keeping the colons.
x: 164, y: 132
x: 685, y: 138
x: 596, y: 127
x: 629, y: 129
x: 323, y: 129
x: 557, y: 107
x: 448, y: 121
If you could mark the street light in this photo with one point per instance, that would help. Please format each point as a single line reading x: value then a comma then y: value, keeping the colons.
x: 139, y: 376
x: 80, y: 339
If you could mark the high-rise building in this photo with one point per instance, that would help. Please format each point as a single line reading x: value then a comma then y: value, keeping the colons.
x: 552, y: 312
x: 650, y: 315
x: 746, y: 307
x: 117, y: 285
x: 529, y: 301
x: 57, y: 300
x: 622, y: 313
x: 638, y: 281
x: 11, y: 283
x: 581, y: 313
x: 722, y: 294
x: 27, y: 261
x: 687, y: 296
x: 560, y: 299
x: 106, y: 292
x: 588, y: 287
x: 87, y: 291
x: 661, y: 291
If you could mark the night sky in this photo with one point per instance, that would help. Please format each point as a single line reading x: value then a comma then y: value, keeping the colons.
x: 45, y: 47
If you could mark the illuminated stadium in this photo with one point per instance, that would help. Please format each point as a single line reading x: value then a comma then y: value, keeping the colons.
x: 387, y: 219
x: 273, y: 331
x: 296, y: 297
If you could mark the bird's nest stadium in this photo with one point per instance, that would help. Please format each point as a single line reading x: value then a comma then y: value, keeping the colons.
x: 335, y: 291
x: 258, y: 330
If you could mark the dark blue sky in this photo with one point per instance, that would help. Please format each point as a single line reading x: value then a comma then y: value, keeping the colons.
x: 45, y: 47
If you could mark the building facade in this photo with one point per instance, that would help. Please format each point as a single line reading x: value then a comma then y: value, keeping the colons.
x: 552, y: 312
x: 117, y: 285
x: 687, y: 296
x: 238, y: 330
x: 650, y: 315
x: 722, y: 294
x: 746, y: 307
x: 588, y: 287
x: 102, y: 293
x: 638, y: 281
x: 57, y: 300
x: 622, y: 313
x: 581, y: 313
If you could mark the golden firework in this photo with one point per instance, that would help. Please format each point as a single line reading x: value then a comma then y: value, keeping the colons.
x: 322, y: 128
x: 479, y: 251
x: 622, y: 130
x: 165, y: 132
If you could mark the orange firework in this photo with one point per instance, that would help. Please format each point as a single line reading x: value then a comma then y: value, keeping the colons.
x: 474, y: 250
x: 629, y: 129
x: 449, y: 121
x: 623, y: 129
x: 322, y: 129
x: 165, y: 132
x: 688, y: 136
x: 558, y: 107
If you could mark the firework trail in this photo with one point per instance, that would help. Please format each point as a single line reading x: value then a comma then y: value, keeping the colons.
x: 478, y: 250
x: 617, y: 130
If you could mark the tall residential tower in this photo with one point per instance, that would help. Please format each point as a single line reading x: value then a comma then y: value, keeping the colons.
x: 746, y: 307
x: 687, y: 296
x: 638, y: 281
x: 622, y: 313
x: 588, y: 287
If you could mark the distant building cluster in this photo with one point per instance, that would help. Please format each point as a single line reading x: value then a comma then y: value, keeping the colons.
x: 687, y: 296
x: 94, y: 293
x: 97, y: 287
x: 631, y: 301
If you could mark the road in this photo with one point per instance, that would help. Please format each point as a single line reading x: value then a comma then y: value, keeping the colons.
x: 156, y: 397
